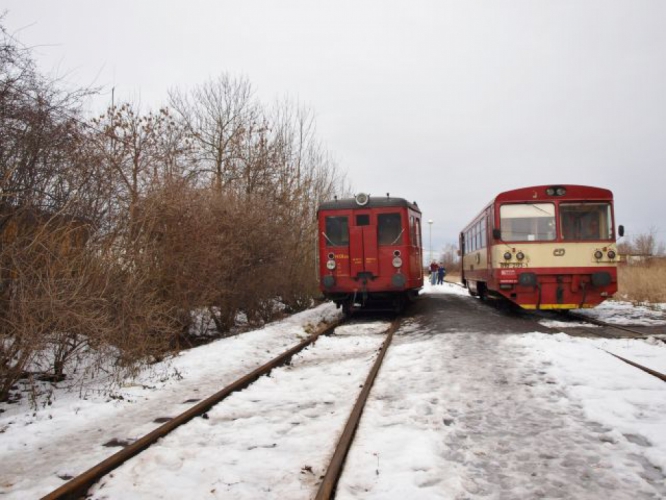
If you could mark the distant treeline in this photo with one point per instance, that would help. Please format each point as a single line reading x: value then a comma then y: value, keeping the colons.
x: 118, y: 232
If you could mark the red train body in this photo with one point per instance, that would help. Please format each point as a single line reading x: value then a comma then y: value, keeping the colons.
x: 370, y: 252
x: 543, y: 247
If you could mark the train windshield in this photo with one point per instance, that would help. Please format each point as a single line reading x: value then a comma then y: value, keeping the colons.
x: 389, y: 229
x: 528, y: 222
x: 337, y: 231
x: 586, y: 221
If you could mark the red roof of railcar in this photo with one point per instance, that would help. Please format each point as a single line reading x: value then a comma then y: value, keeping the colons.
x: 573, y: 192
x: 378, y: 202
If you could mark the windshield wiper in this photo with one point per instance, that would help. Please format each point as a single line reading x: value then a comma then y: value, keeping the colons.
x: 328, y: 239
x: 397, y: 237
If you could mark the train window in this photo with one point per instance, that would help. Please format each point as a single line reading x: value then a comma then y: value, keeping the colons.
x: 363, y: 220
x: 337, y: 231
x: 528, y: 222
x: 585, y: 221
x: 389, y: 229
x: 483, y: 233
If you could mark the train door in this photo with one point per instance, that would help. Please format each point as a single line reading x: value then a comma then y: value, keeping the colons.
x: 363, y: 251
x: 415, y: 261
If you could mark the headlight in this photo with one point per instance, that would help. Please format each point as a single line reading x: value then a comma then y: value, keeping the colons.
x: 507, y: 255
x: 330, y: 264
x: 362, y: 199
x: 520, y: 256
x: 611, y: 254
x: 560, y: 191
x: 598, y: 254
x: 397, y: 262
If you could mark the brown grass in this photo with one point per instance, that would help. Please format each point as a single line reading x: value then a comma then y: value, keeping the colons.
x: 644, y: 282
x: 453, y: 277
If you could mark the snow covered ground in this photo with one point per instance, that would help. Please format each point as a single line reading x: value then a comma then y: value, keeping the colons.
x: 455, y: 415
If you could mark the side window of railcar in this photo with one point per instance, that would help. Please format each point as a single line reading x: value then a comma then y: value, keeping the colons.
x: 389, y: 229
x: 483, y: 233
x: 528, y: 222
x: 337, y: 231
x: 585, y: 221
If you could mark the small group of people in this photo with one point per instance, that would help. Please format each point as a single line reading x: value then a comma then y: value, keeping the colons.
x: 437, y: 273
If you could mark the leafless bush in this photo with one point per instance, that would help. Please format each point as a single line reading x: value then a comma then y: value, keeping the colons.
x: 212, y: 251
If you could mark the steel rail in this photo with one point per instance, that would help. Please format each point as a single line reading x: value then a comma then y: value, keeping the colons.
x: 594, y: 321
x: 652, y: 372
x: 78, y: 486
x: 330, y: 481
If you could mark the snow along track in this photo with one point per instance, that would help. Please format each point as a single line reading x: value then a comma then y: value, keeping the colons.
x: 634, y: 334
x: 327, y: 486
x: 260, y: 453
x: 78, y: 486
x: 627, y: 333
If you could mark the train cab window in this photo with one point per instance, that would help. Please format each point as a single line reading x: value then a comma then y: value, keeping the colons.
x: 389, y: 229
x: 363, y: 220
x: 337, y: 231
x: 585, y: 221
x: 528, y: 222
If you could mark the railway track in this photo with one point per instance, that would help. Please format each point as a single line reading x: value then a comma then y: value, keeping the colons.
x: 631, y: 332
x: 334, y: 470
x: 626, y: 333
x: 79, y: 486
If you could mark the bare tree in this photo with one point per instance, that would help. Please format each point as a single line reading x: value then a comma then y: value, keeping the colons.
x: 218, y: 115
x: 644, y: 244
x: 449, y: 257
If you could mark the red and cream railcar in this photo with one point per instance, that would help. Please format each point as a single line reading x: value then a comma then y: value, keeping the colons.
x: 370, y: 251
x: 543, y: 247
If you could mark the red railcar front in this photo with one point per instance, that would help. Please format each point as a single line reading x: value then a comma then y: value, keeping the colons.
x: 544, y: 247
x: 370, y: 251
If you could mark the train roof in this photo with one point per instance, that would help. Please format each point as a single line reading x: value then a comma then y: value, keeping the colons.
x: 373, y: 202
x: 572, y: 192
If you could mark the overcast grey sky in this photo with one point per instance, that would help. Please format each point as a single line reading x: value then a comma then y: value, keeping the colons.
x: 446, y: 103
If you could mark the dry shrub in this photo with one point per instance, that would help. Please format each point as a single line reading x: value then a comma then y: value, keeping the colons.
x: 643, y: 282
x: 56, y: 306
x: 46, y: 303
x: 219, y: 252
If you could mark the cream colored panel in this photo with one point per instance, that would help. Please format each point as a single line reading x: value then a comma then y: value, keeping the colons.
x: 554, y: 255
